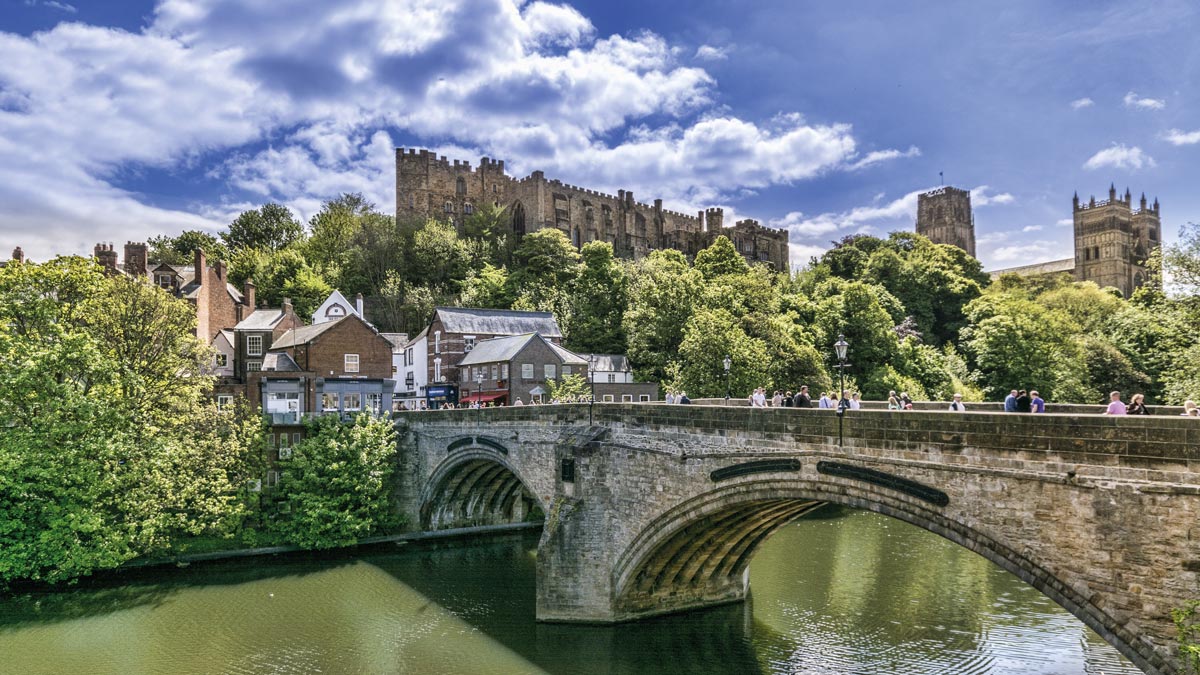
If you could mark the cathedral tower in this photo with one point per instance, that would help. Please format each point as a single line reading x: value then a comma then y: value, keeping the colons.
x: 1113, y: 239
x: 944, y: 216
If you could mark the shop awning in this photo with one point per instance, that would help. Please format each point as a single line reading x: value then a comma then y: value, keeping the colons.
x: 484, y: 397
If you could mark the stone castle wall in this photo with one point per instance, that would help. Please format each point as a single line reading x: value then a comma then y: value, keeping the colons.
x: 431, y: 186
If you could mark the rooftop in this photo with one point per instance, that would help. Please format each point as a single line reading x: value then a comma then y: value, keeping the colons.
x: 468, y: 320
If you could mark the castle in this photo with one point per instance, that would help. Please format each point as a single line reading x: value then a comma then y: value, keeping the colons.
x: 431, y: 186
x: 1112, y: 238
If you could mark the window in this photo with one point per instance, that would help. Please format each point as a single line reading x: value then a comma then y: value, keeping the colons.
x: 272, y: 478
x: 224, y: 401
x: 460, y: 186
x: 495, y: 372
x: 164, y: 280
x: 295, y: 438
x: 527, y: 371
x: 468, y: 343
x: 329, y: 400
x: 409, y: 380
x: 253, y: 366
x: 283, y: 440
x: 643, y: 397
x: 408, y: 356
x: 466, y: 374
x: 254, y: 345
x: 411, y: 202
x: 270, y: 440
x: 222, y: 360
x: 375, y: 403
x: 352, y: 401
x: 448, y: 207
x: 612, y: 377
x: 504, y: 371
x: 437, y: 370
x: 437, y: 342
x: 468, y: 209
x: 351, y: 363
x: 626, y: 398
x: 608, y: 398
x: 550, y: 371
x: 566, y: 370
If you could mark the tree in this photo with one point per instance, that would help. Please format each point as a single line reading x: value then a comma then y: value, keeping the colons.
x: 708, y: 337
x: 599, y: 298
x: 719, y: 259
x: 271, y: 227
x: 662, y: 290
x: 857, y: 314
x: 1018, y: 344
x: 544, y: 258
x: 568, y: 388
x: 332, y: 232
x: 488, y: 288
x: 181, y: 250
x: 439, y: 259
x: 336, y: 488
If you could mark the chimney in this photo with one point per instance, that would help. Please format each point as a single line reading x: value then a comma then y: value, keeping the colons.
x: 358, y: 304
x: 198, y: 263
x: 106, y: 256
x: 219, y: 268
x: 135, y: 259
x: 287, y: 306
x: 248, y: 294
x: 18, y: 255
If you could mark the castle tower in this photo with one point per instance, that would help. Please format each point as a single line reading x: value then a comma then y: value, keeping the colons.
x: 1112, y: 240
x: 944, y: 216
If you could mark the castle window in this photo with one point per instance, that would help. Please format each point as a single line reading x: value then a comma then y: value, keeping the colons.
x: 1096, y: 252
x: 460, y: 186
x: 495, y: 188
x: 448, y: 207
x: 411, y: 201
x: 1153, y: 234
x: 468, y: 208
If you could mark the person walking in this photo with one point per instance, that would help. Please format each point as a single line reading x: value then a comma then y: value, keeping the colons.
x: 906, y: 403
x: 803, y: 400
x: 824, y: 402
x: 777, y: 400
x: 670, y: 397
x: 957, y: 405
x: 1115, y: 406
x: 1190, y: 409
x: 1137, y: 406
x: 683, y: 398
x: 893, y: 402
x: 1024, y: 402
x: 1010, y: 401
x: 1036, y: 404
x: 856, y: 402
x: 787, y: 399
x: 760, y: 398
x: 844, y: 402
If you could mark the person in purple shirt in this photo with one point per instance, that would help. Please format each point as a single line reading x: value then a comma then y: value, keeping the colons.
x: 1037, y: 405
x: 1115, y: 407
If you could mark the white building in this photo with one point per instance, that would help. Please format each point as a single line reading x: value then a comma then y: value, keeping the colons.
x: 414, y: 372
x: 225, y: 352
x: 336, y: 306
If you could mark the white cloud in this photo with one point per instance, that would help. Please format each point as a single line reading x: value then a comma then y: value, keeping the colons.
x: 1032, y: 228
x: 990, y: 239
x: 879, y: 156
x: 1180, y: 137
x: 800, y: 254
x: 1132, y: 100
x: 1084, y: 102
x: 52, y: 4
x: 711, y: 53
x: 1024, y: 254
x: 981, y: 196
x: 1119, y: 156
x: 295, y: 102
x: 1065, y: 222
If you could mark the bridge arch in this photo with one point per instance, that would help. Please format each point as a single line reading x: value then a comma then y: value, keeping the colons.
x: 698, y: 553
x: 476, y: 486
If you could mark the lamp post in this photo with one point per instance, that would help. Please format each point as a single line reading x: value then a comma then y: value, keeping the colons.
x: 479, y: 389
x: 727, y: 363
x: 840, y: 348
x: 592, y: 379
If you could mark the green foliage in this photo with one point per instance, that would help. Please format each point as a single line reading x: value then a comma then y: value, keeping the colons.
x: 270, y: 228
x: 662, y: 290
x: 1187, y: 634
x: 180, y: 250
x: 1019, y: 344
x: 111, y: 448
x: 599, y: 298
x: 487, y: 287
x: 720, y: 259
x: 573, y: 387
x: 439, y: 259
x: 336, y: 488
x: 708, y: 337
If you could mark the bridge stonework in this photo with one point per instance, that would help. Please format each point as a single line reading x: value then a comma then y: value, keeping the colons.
x: 651, y: 509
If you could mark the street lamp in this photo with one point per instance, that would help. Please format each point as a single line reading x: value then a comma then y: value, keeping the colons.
x: 727, y: 362
x: 840, y: 348
x: 479, y: 388
x: 592, y: 379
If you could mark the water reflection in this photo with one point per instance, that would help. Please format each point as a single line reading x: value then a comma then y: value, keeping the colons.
x: 849, y: 592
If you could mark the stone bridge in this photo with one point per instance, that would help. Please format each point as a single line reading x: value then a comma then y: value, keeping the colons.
x: 651, y: 509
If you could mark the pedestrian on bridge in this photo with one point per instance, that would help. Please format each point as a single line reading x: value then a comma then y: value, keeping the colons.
x: 1024, y: 402
x: 1115, y: 406
x: 1037, y: 404
x: 1137, y: 406
x: 1010, y: 401
x: 957, y: 405
x: 803, y: 400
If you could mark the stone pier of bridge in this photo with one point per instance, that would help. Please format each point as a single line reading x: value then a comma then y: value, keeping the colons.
x: 652, y: 509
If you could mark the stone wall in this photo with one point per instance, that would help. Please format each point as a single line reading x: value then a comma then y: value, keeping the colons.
x: 667, y: 503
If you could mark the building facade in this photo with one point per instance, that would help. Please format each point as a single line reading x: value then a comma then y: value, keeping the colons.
x: 944, y: 216
x: 1113, y: 240
x: 431, y: 186
x: 521, y: 368
x: 611, y: 378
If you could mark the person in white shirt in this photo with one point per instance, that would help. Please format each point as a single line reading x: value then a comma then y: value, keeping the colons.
x: 519, y: 401
x: 670, y: 397
x: 957, y: 405
x: 824, y: 402
x: 855, y: 402
x: 760, y: 398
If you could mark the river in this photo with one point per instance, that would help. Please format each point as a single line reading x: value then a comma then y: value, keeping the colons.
x: 841, y: 591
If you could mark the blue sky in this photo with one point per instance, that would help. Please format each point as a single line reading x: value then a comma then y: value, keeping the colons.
x: 121, y: 120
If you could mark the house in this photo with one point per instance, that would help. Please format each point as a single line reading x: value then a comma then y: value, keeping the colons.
x: 399, y: 343
x: 336, y: 306
x: 612, y: 380
x: 218, y: 304
x: 452, y: 333
x: 254, y: 336
x: 520, y: 367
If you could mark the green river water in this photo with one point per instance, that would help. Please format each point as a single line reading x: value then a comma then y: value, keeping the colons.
x: 839, y: 592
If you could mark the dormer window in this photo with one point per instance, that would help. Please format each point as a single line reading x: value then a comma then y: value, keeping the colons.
x: 164, y: 281
x: 335, y: 311
x: 468, y: 343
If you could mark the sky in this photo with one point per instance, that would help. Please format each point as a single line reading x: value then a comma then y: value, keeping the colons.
x: 123, y: 119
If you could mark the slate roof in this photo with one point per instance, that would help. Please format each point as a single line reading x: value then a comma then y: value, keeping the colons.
x: 1052, y: 267
x: 469, y: 321
x: 279, y: 362
x: 608, y: 363
x: 398, y: 340
x: 501, y: 349
x: 304, y: 334
x: 261, y: 319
